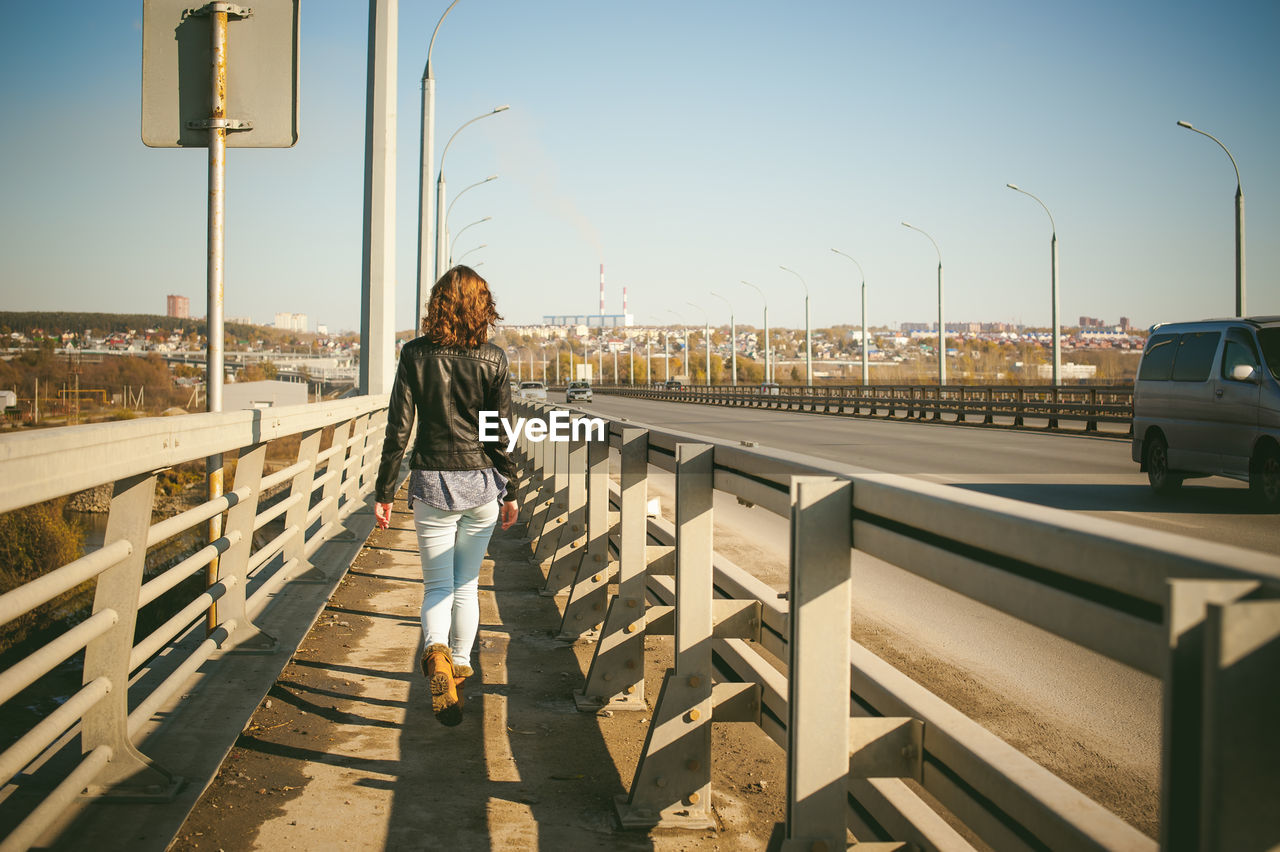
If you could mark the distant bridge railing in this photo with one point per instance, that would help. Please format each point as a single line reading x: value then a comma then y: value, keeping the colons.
x: 1010, y: 406
x: 867, y: 748
x: 89, y: 741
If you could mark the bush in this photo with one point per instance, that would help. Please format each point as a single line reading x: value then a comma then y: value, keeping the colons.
x: 33, y: 542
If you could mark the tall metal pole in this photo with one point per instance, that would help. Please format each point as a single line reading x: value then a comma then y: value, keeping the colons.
x: 213, y: 315
x: 1053, y: 285
x: 1240, y: 300
x: 733, y: 341
x: 631, y: 367
x: 808, y: 340
x: 768, y: 371
x: 426, y: 161
x: 442, y: 232
x: 377, y: 306
x: 706, y: 338
x: 942, y: 327
x: 866, y: 368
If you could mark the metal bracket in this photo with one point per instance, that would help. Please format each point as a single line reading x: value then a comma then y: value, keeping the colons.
x: 228, y: 124
x: 231, y: 9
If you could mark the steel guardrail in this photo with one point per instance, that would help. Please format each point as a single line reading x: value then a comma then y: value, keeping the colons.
x: 90, y: 742
x: 1185, y: 611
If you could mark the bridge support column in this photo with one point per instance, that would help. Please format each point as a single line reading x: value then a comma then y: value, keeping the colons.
x: 672, y: 783
x: 1221, y: 701
x: 105, y: 727
x: 818, y: 678
x: 615, y: 678
x: 234, y: 564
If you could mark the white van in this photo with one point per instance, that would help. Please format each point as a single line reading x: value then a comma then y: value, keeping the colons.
x: 1207, y: 402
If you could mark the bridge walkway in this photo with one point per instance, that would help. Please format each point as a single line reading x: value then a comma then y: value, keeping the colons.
x: 344, y: 753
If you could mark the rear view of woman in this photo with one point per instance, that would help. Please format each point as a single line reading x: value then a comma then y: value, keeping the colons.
x: 459, y: 486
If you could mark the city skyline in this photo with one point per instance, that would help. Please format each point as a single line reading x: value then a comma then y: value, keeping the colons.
x: 761, y: 138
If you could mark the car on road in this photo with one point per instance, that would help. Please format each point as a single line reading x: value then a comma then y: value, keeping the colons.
x: 1207, y: 403
x: 532, y: 390
x: 577, y: 392
x: 672, y: 384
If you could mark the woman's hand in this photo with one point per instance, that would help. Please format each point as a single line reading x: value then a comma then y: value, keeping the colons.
x: 508, y: 513
x: 382, y: 511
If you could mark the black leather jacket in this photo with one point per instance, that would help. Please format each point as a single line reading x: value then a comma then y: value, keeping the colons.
x: 448, y: 387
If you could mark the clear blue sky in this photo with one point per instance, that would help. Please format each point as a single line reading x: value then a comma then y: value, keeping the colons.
x: 687, y: 146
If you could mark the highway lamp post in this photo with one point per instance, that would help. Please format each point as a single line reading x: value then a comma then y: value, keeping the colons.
x: 1240, y: 305
x: 426, y: 159
x: 733, y: 341
x: 558, y: 361
x: 454, y: 242
x: 684, y: 328
x: 768, y: 371
x: 472, y: 251
x: 615, y: 365
x: 449, y: 212
x: 441, y: 230
x: 631, y: 366
x: 942, y: 328
x: 866, y: 368
x: 706, y: 339
x: 808, y: 341
x: 599, y: 364
x: 1053, y: 284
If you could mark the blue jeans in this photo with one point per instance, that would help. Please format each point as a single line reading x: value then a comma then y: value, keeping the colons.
x: 452, y: 546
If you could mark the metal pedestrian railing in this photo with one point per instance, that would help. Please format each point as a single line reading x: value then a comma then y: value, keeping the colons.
x: 89, y: 743
x: 1009, y: 406
x: 1203, y: 618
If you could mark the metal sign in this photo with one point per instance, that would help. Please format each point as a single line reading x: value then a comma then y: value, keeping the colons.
x: 262, y: 73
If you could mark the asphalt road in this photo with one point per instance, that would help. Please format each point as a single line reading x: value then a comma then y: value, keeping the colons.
x: 1094, y: 475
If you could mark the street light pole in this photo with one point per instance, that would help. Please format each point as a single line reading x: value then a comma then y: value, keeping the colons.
x: 942, y: 328
x: 441, y: 231
x: 471, y: 251
x: 1053, y: 285
x: 808, y: 341
x: 684, y: 327
x: 768, y: 371
x: 733, y: 341
x: 866, y: 368
x: 706, y: 338
x: 1240, y: 306
x: 449, y: 212
x: 426, y: 159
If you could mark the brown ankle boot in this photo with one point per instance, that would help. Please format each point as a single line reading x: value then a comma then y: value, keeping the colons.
x: 446, y: 701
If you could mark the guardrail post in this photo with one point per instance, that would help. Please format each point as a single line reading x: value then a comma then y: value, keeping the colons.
x: 1019, y: 405
x: 1055, y: 406
x: 128, y: 772
x: 355, y: 459
x: 1186, y: 705
x: 989, y: 418
x: 818, y: 677
x: 234, y: 564
x: 569, y: 548
x: 672, y: 784
x: 1240, y: 782
x: 296, y: 515
x: 558, y: 509
x: 589, y: 593
x: 615, y: 678
x: 332, y: 491
x: 1091, y: 425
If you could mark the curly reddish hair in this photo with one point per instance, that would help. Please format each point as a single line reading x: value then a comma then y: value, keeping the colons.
x: 460, y: 310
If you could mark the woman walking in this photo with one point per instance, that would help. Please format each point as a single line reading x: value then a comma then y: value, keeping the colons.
x: 459, y: 486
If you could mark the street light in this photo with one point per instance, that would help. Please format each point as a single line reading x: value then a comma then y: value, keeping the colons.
x: 808, y: 341
x: 942, y: 328
x: 426, y: 159
x: 768, y: 369
x: 472, y: 251
x: 866, y: 369
x: 1240, y: 309
x: 733, y: 341
x: 684, y: 330
x: 1053, y: 284
x: 449, y: 212
x: 706, y: 338
x: 454, y: 242
x: 441, y: 210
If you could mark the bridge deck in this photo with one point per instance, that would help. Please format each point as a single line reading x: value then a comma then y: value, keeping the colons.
x: 343, y: 751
